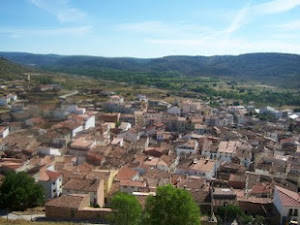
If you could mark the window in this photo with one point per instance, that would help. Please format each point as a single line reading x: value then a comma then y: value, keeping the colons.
x: 290, y: 212
x: 296, y: 212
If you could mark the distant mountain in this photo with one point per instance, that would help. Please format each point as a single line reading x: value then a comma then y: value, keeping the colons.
x: 271, y: 68
x: 10, y: 70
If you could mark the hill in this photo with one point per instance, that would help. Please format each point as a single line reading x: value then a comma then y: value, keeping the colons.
x: 270, y: 68
x: 10, y: 70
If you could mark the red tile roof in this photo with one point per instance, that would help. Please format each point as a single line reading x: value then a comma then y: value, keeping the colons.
x: 72, y: 201
x: 126, y: 173
x: 48, y: 175
x: 288, y: 198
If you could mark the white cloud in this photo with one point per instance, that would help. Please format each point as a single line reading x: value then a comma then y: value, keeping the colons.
x: 61, y: 9
x: 72, y: 31
x: 161, y: 28
x: 214, y: 47
x: 238, y: 21
x: 276, y: 6
x: 292, y: 25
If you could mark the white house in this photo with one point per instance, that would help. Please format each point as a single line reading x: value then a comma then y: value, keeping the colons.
x: 288, y: 204
x: 4, y: 100
x: 45, y: 150
x: 4, y: 132
x: 189, y: 147
x: 90, y: 122
x: 227, y: 150
x: 202, y: 168
x: 51, y: 182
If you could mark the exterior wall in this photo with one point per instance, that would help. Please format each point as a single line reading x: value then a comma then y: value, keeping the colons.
x: 49, y: 151
x: 284, y: 211
x: 100, y: 194
x: 184, y: 151
x: 208, y: 175
x: 225, y: 157
x: 128, y: 189
x: 77, y: 130
x: 90, y: 123
x: 52, y: 188
x: 93, y: 195
x: 5, y: 133
x: 81, y: 214
x: 112, y: 175
x: 57, y: 185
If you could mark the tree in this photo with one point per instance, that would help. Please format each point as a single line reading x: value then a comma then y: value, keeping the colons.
x: 171, y: 206
x: 19, y: 191
x: 127, y: 209
x: 229, y: 212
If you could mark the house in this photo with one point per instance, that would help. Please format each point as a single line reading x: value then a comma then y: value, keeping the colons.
x: 208, y: 150
x: 87, y: 119
x: 237, y: 181
x: 74, y: 206
x: 198, y: 167
x: 227, y: 150
x: 261, y: 190
x: 45, y: 150
x: 106, y: 175
x: 190, y: 147
x: 51, y: 182
x: 224, y: 196
x: 4, y: 132
x: 73, y: 127
x: 156, y: 163
x: 80, y: 147
x: 93, y: 187
x: 287, y: 204
x: 125, y: 126
x: 133, y: 134
x: 4, y: 101
x: 130, y: 186
x: 126, y: 173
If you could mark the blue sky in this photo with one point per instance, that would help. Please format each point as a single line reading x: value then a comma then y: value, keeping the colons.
x: 150, y: 28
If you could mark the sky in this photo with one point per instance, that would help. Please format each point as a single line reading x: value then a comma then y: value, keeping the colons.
x: 150, y: 28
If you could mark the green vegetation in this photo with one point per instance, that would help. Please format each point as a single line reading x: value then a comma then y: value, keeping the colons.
x: 228, y: 213
x: 127, y: 208
x: 171, y: 206
x: 281, y: 70
x: 11, y: 71
x: 19, y: 191
x: 230, y: 77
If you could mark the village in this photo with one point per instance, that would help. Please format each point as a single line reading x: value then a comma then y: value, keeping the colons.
x: 83, y: 152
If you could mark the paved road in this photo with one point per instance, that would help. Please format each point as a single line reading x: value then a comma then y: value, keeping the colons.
x: 68, y: 95
x: 12, y: 216
x: 38, y: 217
